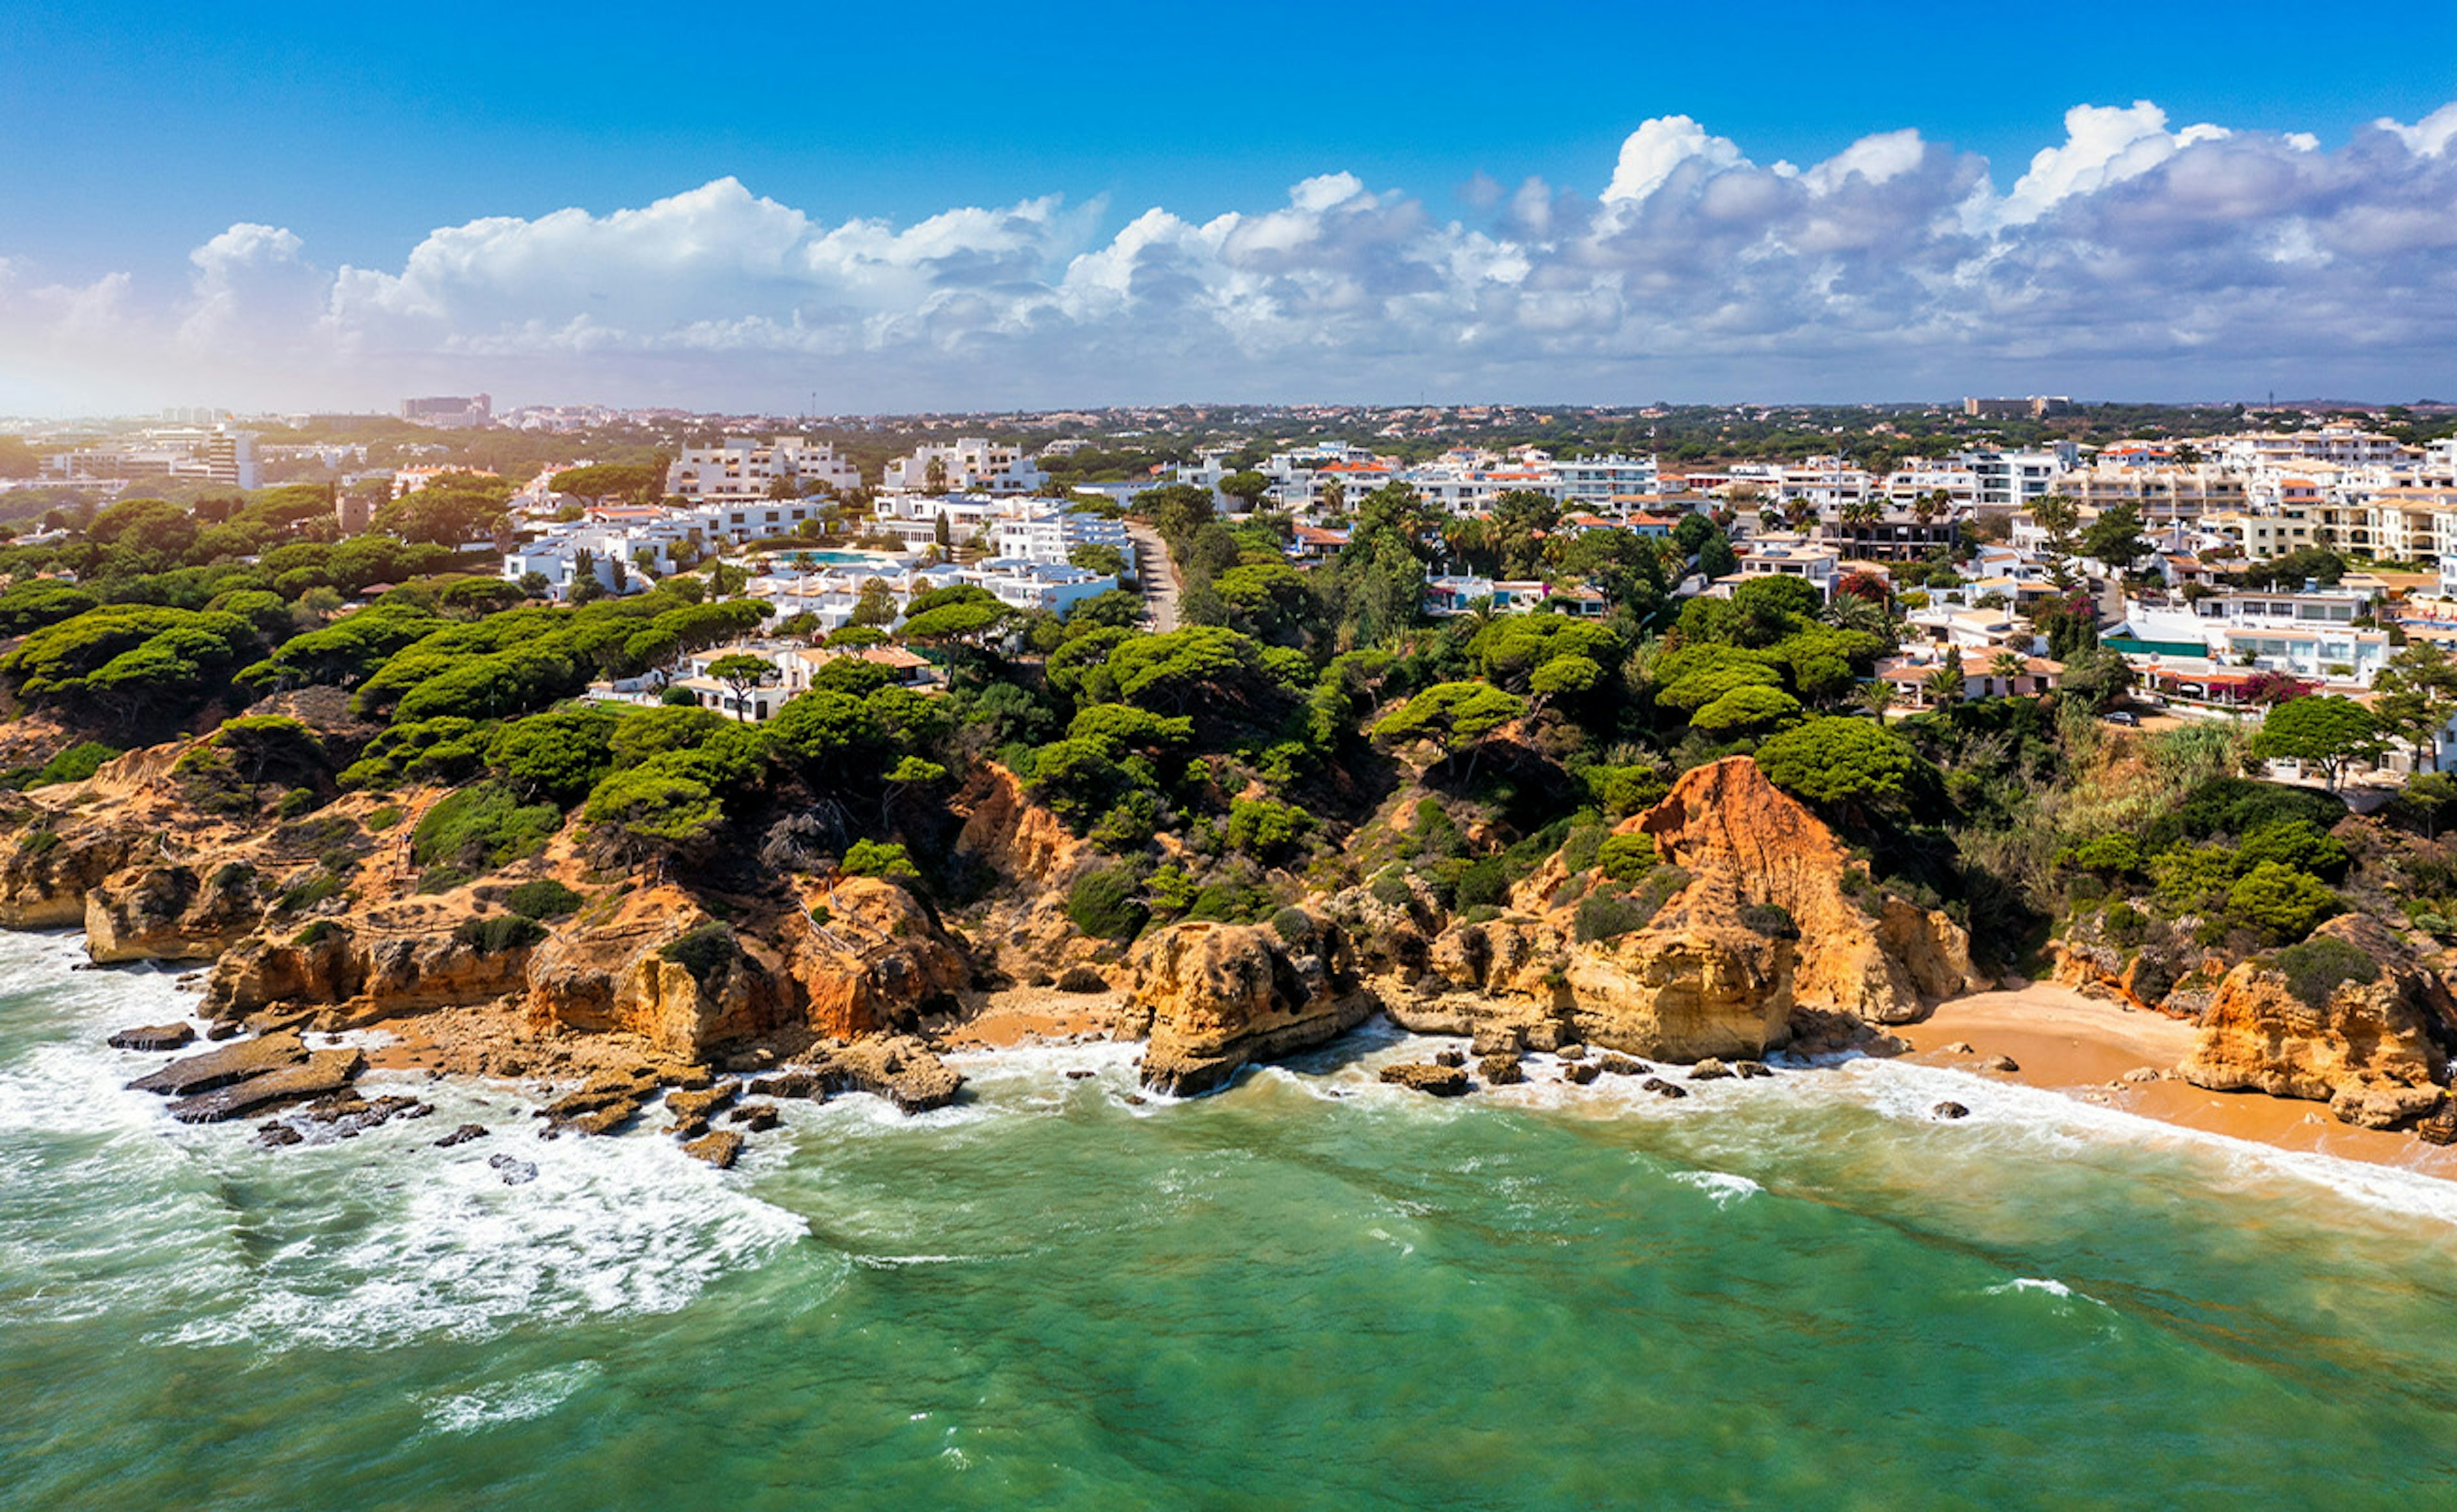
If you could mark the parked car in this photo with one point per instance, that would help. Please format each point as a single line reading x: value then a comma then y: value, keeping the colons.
x: 2122, y: 716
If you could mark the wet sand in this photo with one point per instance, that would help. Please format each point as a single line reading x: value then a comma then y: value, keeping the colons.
x: 2083, y: 1046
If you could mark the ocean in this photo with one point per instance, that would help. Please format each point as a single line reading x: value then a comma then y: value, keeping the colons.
x: 1308, y: 1291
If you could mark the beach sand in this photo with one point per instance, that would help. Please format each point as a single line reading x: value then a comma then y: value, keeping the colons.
x: 2081, y: 1047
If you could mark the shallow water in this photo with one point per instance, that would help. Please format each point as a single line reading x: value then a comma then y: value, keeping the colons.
x: 1308, y: 1291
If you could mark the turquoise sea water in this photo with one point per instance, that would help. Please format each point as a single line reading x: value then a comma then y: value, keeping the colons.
x: 1796, y: 1293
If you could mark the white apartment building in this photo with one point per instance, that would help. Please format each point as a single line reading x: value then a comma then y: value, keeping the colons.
x: 2014, y: 480
x: 1051, y: 536
x: 2311, y: 633
x: 742, y: 468
x: 614, y: 554
x: 970, y: 463
x: 1592, y: 480
x: 2337, y: 442
x: 1917, y: 478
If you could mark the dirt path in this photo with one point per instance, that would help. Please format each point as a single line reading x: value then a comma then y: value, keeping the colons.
x: 1157, y: 574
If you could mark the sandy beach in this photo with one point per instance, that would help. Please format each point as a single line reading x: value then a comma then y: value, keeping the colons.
x: 2083, y: 1046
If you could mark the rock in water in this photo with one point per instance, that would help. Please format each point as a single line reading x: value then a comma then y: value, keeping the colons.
x: 1572, y: 1052
x: 276, y: 1134
x: 1579, y: 1073
x: 1950, y: 1110
x: 1451, y: 1058
x: 1441, y: 1081
x: 1749, y: 1070
x: 1621, y: 1066
x: 461, y: 1135
x: 688, y: 1106
x: 2440, y: 1129
x: 232, y: 1062
x: 516, y: 1171
x: 1501, y: 1070
x: 1214, y: 997
x: 321, y: 1072
x: 1710, y: 1069
x: 755, y: 1117
x: 720, y: 1149
x: 2004, y: 1064
x: 154, y: 1037
x: 604, y: 1103
x: 1662, y: 1088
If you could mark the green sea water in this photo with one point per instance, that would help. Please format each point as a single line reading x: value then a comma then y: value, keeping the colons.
x: 1310, y: 1290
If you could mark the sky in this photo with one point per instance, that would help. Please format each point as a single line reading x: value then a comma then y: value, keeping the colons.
x: 959, y: 206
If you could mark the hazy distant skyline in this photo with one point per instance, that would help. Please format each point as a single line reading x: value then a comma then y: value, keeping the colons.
x: 978, y: 208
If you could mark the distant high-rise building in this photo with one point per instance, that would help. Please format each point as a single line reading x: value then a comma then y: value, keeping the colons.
x: 450, y: 413
x: 230, y: 458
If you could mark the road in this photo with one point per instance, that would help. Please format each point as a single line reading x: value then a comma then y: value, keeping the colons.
x: 1157, y: 574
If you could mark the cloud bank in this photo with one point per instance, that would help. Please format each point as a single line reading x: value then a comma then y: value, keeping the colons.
x: 2133, y: 258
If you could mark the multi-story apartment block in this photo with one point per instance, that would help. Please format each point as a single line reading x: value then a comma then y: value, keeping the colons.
x: 741, y: 468
x: 2015, y: 480
x: 970, y: 463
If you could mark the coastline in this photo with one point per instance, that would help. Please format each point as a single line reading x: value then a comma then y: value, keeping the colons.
x: 2082, y: 1048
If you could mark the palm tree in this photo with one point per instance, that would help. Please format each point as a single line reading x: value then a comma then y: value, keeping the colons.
x: 1860, y: 514
x: 2006, y: 667
x: 1944, y: 684
x: 1878, y: 697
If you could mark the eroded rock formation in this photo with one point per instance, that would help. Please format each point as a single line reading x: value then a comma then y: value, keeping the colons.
x: 2375, y: 1051
x: 1764, y: 928
x: 1214, y: 997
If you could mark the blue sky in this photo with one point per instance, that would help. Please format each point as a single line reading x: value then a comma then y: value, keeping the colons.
x: 133, y: 139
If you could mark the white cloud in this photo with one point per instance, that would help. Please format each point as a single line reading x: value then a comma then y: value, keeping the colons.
x: 2128, y: 256
x: 1658, y: 149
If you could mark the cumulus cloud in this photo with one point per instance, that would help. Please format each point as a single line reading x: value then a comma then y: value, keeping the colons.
x: 2131, y: 256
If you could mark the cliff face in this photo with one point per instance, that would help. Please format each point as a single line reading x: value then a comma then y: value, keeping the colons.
x: 1214, y: 997
x: 658, y: 965
x: 2371, y: 1049
x: 1717, y: 971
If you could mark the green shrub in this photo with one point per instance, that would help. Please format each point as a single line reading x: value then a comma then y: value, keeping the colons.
x: 1579, y: 848
x: 1389, y: 888
x: 2124, y: 925
x: 316, y: 932
x: 294, y: 803
x: 880, y: 859
x: 1482, y: 884
x: 1170, y: 890
x: 543, y: 899
x: 498, y: 933
x: 306, y: 894
x: 1233, y: 902
x: 1265, y: 828
x: 707, y: 953
x: 1603, y: 916
x: 1626, y: 858
x: 232, y: 873
x: 2297, y: 844
x: 1294, y: 925
x: 1103, y: 903
x: 2108, y: 855
x: 38, y: 843
x: 1622, y: 791
x: 478, y: 830
x: 384, y: 818
x: 2280, y: 901
x: 2314, y: 969
x: 679, y: 699
x: 74, y: 764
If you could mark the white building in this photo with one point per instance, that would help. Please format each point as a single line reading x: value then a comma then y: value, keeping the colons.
x: 969, y: 463
x: 1052, y: 535
x: 2015, y: 480
x: 741, y: 469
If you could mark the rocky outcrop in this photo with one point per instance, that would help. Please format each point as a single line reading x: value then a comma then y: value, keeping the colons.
x: 1764, y: 929
x: 857, y: 957
x: 2373, y: 1049
x: 359, y: 972
x: 1440, y: 1081
x: 169, y: 912
x: 1215, y: 997
x: 320, y: 1074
